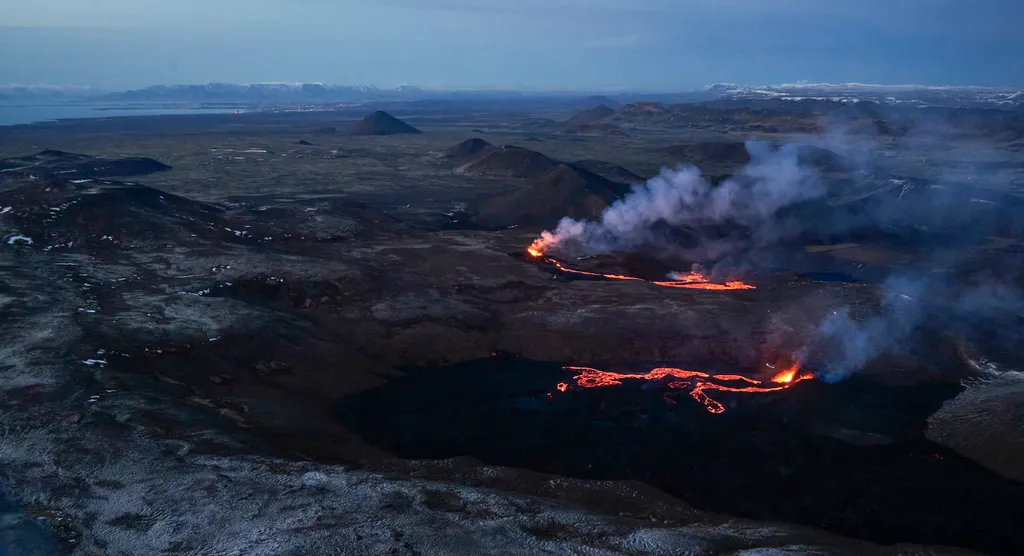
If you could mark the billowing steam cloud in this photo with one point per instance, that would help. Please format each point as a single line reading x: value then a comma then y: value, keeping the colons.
x: 848, y: 339
x: 773, y: 179
x: 842, y: 345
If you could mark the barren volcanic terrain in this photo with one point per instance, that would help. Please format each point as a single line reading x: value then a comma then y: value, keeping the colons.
x: 649, y: 329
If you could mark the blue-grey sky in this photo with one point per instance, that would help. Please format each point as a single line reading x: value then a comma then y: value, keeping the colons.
x: 522, y: 44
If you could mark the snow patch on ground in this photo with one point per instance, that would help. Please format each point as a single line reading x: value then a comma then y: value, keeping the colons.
x: 49, y: 247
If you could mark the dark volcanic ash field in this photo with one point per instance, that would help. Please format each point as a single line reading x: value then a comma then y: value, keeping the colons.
x: 263, y: 334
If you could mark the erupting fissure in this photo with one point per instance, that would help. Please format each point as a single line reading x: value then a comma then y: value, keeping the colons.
x: 697, y: 382
x: 691, y: 280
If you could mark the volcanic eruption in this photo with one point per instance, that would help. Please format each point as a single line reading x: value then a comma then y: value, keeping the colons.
x: 692, y: 280
x: 697, y: 382
x: 774, y: 178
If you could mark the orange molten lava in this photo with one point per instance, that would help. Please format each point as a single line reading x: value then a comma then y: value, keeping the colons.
x: 692, y: 280
x: 698, y: 383
x: 789, y: 375
x: 697, y: 281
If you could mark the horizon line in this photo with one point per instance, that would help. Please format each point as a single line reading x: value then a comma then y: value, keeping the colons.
x: 505, y: 88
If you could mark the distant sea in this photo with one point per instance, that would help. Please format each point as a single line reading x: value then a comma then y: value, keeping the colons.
x: 11, y: 114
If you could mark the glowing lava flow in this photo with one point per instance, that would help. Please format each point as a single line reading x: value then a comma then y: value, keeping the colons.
x: 692, y: 280
x: 698, y: 383
x: 697, y: 281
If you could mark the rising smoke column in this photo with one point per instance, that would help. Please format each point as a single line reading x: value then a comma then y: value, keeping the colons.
x: 773, y: 179
x: 841, y: 344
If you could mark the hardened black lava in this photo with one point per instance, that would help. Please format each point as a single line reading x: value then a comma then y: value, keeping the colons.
x: 775, y: 456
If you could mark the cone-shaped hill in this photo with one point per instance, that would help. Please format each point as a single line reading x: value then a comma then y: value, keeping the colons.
x: 552, y: 190
x: 382, y: 123
x: 590, y: 116
x: 477, y: 157
x: 563, y: 190
x: 467, y: 150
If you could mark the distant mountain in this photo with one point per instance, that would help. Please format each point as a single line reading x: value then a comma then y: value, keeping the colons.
x: 913, y: 95
x: 313, y: 93
x: 1001, y: 122
x: 589, y: 116
x: 260, y: 93
x: 382, y: 123
x: 21, y: 93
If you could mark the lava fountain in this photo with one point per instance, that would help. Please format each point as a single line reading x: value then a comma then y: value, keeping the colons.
x: 698, y: 383
x: 691, y: 280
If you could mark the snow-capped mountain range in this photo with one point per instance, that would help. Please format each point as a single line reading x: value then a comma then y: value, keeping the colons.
x: 920, y: 95
x: 249, y: 93
x: 263, y: 94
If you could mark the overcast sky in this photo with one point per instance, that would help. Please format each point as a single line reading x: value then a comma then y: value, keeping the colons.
x: 522, y: 44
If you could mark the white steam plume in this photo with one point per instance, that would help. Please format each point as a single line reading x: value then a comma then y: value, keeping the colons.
x: 842, y: 345
x: 773, y: 179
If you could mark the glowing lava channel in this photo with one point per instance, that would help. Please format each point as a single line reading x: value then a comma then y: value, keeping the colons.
x: 692, y: 280
x: 698, y: 383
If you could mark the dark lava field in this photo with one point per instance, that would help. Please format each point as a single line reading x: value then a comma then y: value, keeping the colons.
x: 538, y: 328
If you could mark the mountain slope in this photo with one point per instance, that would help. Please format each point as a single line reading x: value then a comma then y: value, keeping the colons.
x: 561, y: 191
x: 382, y: 123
